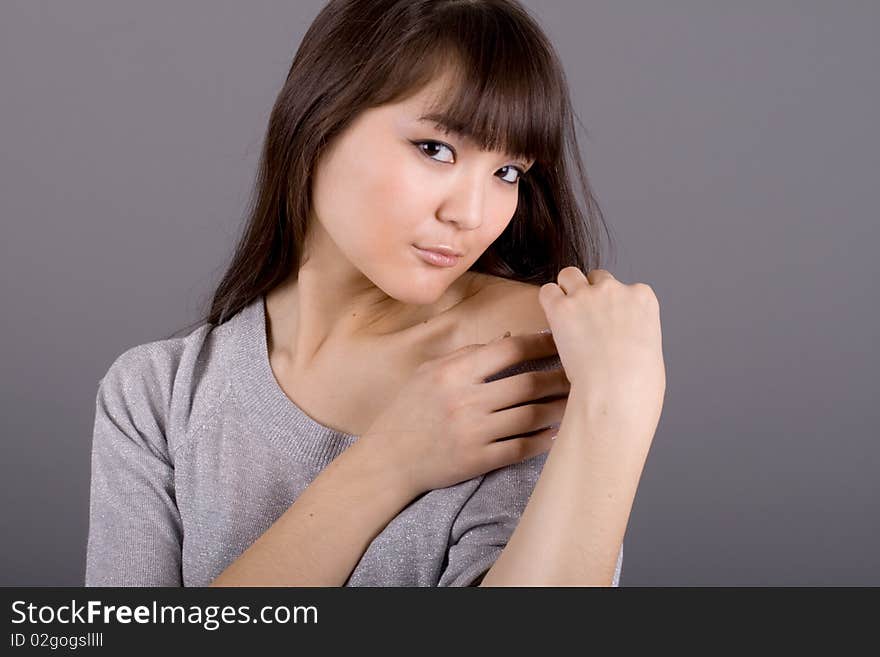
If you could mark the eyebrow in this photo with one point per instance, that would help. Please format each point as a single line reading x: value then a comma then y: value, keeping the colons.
x: 441, y: 120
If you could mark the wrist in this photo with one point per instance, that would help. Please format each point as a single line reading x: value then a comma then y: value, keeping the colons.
x: 381, y: 457
x: 607, y: 420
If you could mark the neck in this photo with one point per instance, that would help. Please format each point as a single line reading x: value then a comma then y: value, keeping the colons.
x: 310, y: 315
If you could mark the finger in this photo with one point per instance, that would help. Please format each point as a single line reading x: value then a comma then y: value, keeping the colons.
x: 571, y: 278
x: 471, y: 347
x: 458, y: 352
x: 516, y: 450
x: 524, y: 419
x: 525, y: 387
x: 549, y: 292
x: 497, y: 356
x: 596, y: 275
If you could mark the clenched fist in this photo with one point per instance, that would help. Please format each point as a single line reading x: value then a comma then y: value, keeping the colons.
x: 609, y: 341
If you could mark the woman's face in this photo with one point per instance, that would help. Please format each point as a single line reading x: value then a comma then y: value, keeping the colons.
x: 390, y: 182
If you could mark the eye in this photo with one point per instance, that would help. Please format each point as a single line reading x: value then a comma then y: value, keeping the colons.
x: 441, y: 145
x: 433, y: 144
x: 519, y: 173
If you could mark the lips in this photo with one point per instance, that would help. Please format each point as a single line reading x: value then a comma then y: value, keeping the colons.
x: 443, y: 249
x: 436, y: 258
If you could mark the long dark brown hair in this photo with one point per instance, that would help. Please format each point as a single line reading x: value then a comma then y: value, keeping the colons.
x: 510, y: 94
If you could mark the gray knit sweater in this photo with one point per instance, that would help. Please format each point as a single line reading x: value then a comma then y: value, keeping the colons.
x: 196, y: 451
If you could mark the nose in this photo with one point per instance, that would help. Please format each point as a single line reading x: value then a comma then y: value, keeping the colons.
x: 464, y: 202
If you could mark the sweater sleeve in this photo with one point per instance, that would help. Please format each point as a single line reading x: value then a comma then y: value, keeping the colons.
x: 487, y: 521
x: 135, y: 531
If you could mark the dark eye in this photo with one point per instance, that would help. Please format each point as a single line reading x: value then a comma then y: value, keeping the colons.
x: 434, y: 144
x: 519, y: 174
x: 440, y: 145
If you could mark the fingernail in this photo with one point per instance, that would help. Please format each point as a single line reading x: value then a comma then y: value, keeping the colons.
x: 500, y: 337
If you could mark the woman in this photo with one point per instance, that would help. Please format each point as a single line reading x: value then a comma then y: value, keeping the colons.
x: 343, y: 416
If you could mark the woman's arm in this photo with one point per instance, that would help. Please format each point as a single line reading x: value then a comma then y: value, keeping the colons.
x: 573, y: 526
x: 319, y: 540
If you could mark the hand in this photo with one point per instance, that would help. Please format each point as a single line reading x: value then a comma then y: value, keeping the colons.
x: 447, y: 423
x: 610, y: 343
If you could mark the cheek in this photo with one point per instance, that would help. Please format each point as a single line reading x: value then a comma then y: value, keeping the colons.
x: 498, y: 213
x: 397, y: 200
x: 363, y: 204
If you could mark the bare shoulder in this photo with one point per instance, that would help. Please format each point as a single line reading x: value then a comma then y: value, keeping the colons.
x: 503, y: 304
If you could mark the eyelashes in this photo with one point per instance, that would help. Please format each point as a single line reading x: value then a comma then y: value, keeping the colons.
x: 419, y: 144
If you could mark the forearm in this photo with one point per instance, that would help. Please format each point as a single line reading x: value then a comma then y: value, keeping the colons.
x: 319, y: 540
x: 572, y: 528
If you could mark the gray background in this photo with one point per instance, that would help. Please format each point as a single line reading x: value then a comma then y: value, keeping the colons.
x: 734, y: 148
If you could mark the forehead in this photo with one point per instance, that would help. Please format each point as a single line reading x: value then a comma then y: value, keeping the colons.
x: 426, y: 104
x: 426, y: 108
